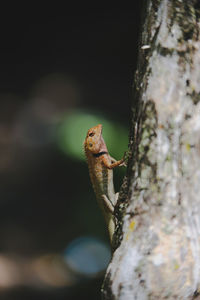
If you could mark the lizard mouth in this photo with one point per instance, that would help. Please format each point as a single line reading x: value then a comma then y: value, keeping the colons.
x: 101, y: 128
x: 103, y: 147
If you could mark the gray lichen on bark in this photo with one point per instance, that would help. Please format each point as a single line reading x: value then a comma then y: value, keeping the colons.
x: 159, y: 255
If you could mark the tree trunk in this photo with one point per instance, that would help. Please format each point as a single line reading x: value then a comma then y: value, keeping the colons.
x: 157, y: 243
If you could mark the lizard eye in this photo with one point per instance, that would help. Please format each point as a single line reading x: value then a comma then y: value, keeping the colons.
x: 91, y: 133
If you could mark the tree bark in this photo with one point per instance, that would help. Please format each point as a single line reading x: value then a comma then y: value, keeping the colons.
x: 157, y: 242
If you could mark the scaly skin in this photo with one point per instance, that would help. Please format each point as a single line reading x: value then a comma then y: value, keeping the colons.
x: 101, y: 174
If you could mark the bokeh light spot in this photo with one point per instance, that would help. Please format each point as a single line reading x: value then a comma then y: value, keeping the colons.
x: 87, y: 256
x: 72, y: 132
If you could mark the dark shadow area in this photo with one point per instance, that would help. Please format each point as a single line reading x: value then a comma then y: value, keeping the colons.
x: 55, y: 63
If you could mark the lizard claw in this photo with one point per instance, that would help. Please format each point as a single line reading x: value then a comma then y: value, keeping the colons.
x: 124, y: 159
x: 123, y: 164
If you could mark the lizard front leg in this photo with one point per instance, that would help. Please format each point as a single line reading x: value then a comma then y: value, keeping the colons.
x: 113, y: 164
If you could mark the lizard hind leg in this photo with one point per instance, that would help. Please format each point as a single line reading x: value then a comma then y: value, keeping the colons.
x: 108, y: 204
x: 116, y: 197
x: 109, y: 217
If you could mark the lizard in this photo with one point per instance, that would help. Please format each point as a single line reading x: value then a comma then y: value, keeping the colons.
x: 100, y: 165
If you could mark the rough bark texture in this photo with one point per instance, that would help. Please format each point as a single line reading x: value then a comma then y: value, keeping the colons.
x: 157, y: 243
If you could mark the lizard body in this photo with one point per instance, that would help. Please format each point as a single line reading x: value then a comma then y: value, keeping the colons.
x: 100, y: 165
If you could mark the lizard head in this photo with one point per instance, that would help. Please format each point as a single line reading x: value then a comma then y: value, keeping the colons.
x: 94, y: 141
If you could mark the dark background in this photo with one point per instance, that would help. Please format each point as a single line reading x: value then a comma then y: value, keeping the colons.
x: 47, y: 55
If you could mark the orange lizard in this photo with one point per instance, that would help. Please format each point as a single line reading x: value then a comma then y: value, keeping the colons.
x: 100, y: 165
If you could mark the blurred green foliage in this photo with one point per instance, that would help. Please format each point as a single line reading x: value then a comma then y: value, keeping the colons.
x: 72, y: 132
